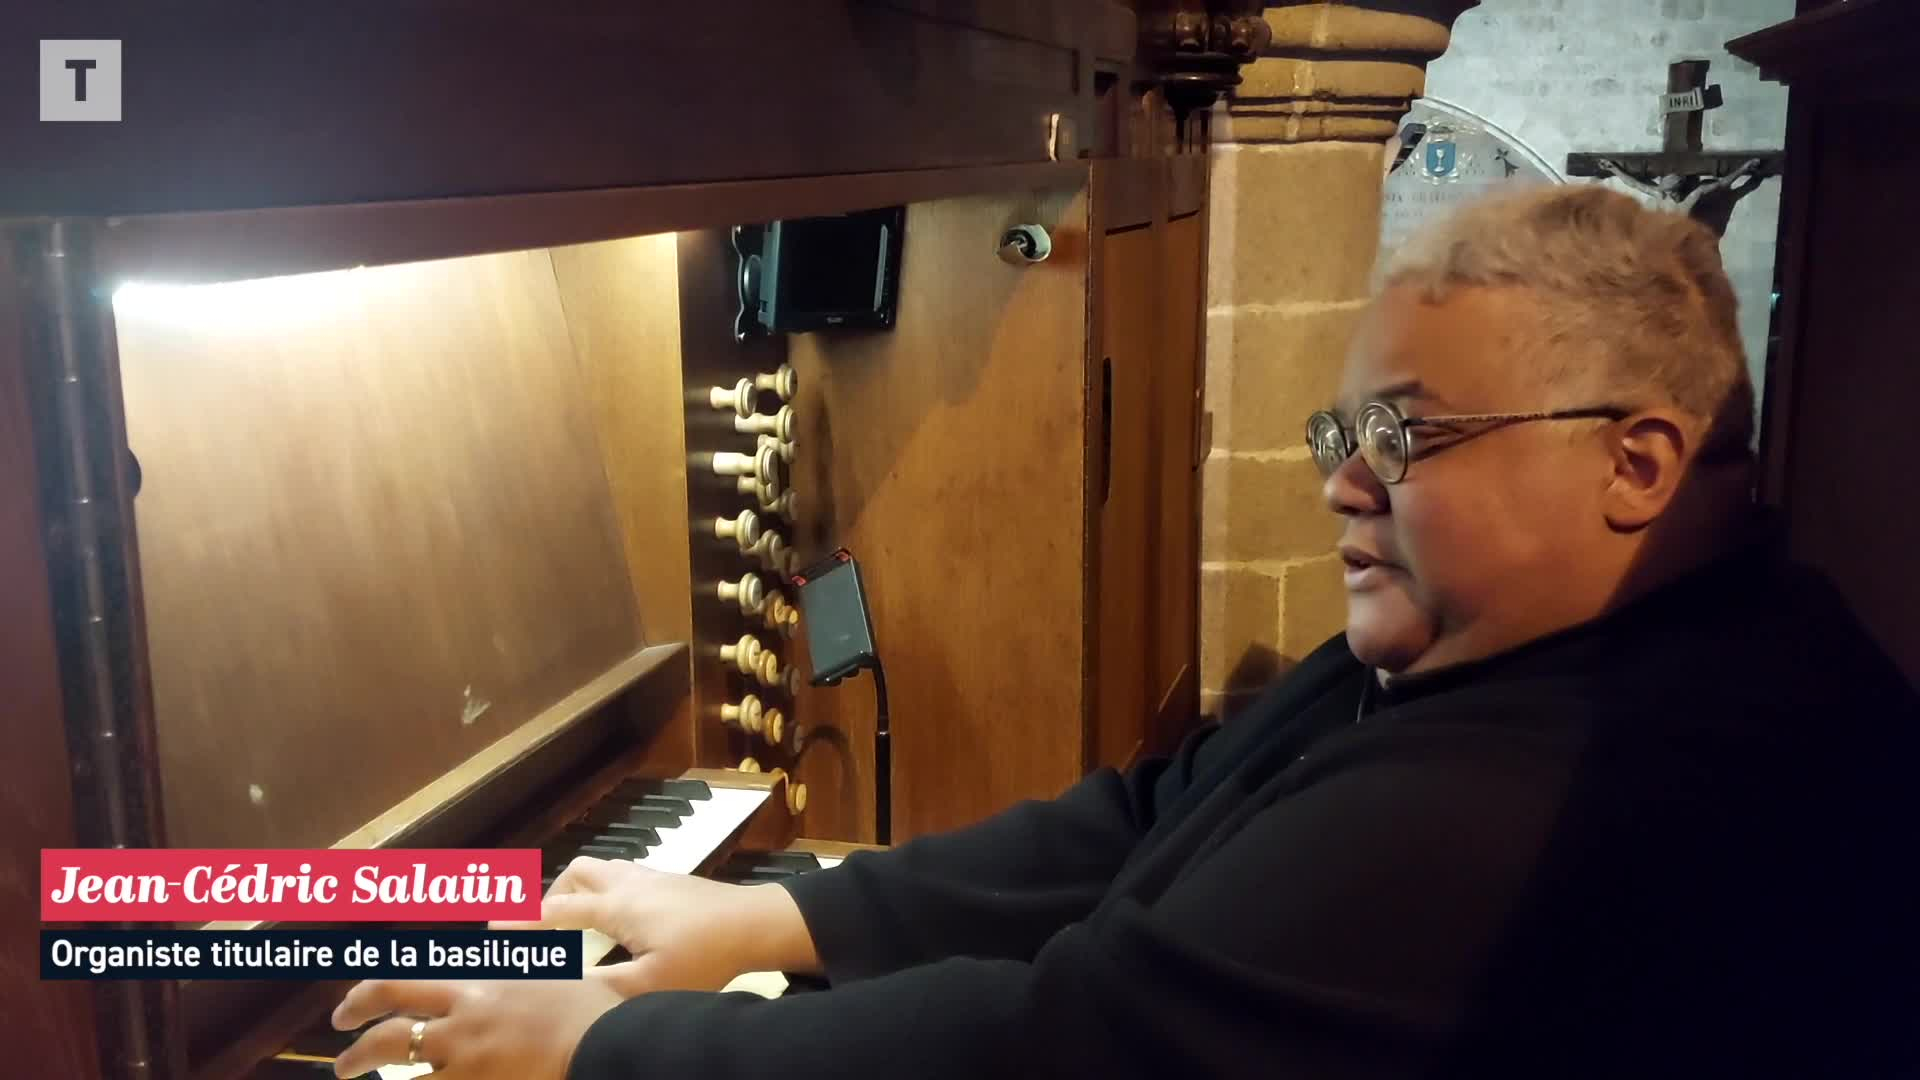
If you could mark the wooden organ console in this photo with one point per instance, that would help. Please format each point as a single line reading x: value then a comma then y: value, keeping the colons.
x: 380, y: 470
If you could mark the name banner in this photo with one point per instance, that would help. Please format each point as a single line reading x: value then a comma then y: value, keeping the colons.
x: 173, y: 885
x: 310, y: 954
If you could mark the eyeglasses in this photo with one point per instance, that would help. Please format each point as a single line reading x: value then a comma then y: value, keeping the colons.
x: 1387, y: 444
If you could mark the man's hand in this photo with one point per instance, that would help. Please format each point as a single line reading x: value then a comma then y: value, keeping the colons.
x: 474, y: 1030
x: 685, y: 932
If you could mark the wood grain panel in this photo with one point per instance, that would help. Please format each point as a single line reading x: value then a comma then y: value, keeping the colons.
x: 622, y: 302
x: 1176, y: 402
x: 375, y: 535
x: 191, y: 248
x: 54, y: 1020
x: 949, y: 456
x: 1130, y: 303
x: 363, y: 100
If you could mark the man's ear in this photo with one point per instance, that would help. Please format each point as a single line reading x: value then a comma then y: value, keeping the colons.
x: 1648, y: 454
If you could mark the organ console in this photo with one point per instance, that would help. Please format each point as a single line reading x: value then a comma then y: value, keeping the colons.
x: 422, y: 497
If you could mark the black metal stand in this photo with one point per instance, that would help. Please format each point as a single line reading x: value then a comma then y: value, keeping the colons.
x: 882, y: 760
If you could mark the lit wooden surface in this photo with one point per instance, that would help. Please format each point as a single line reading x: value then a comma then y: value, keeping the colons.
x: 375, y: 535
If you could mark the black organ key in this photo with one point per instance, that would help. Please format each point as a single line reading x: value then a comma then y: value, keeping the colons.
x: 692, y: 790
x: 629, y: 847
x: 793, y: 860
x: 642, y: 833
x: 680, y: 807
x: 651, y: 817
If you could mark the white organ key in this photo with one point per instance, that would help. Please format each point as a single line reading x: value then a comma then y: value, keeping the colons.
x: 779, y: 424
x: 743, y: 654
x: 685, y: 846
x: 743, y: 529
x: 738, y: 397
x: 782, y: 382
x: 748, y: 592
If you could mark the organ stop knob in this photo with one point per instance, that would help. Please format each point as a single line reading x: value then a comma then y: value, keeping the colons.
x: 775, y: 501
x: 761, y: 473
x: 779, y: 424
x: 767, y: 669
x: 748, y: 592
x: 796, y: 793
x: 782, y: 382
x: 780, y: 447
x: 773, y: 726
x: 780, y: 615
x: 744, y: 654
x: 774, y: 554
x: 738, y: 397
x: 743, y: 529
x: 747, y: 716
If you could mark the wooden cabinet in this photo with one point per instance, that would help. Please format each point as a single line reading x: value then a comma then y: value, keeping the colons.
x: 1151, y: 236
x: 1838, y: 439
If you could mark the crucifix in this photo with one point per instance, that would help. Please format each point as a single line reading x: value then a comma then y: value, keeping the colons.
x: 1703, y: 184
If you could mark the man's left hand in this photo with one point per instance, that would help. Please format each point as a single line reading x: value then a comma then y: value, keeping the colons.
x: 475, y: 1030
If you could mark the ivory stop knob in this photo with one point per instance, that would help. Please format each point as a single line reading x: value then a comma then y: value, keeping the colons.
x: 743, y: 654
x: 781, y: 615
x: 779, y: 424
x: 780, y: 447
x: 778, y: 502
x: 746, y: 716
x: 782, y: 382
x: 748, y: 592
x: 796, y: 792
x: 738, y: 397
x: 773, y: 726
x: 743, y: 529
x: 747, y: 765
x: 773, y: 553
x: 767, y: 669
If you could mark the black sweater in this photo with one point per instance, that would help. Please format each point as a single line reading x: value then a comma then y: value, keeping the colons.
x: 1670, y: 842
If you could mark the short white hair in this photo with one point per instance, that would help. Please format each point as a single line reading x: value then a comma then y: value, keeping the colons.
x: 1635, y: 301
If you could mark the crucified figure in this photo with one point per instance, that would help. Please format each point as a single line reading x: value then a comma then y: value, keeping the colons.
x: 1710, y: 202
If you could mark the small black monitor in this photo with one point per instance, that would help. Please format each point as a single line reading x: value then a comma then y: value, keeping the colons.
x: 839, y: 628
x: 826, y: 272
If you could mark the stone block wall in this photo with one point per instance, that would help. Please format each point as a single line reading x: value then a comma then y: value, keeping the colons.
x: 1296, y: 199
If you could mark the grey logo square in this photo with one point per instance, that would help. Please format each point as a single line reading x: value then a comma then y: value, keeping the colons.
x: 80, y: 80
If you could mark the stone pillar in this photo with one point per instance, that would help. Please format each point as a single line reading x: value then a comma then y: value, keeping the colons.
x: 1299, y: 157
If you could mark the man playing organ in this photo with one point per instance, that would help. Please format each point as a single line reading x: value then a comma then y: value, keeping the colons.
x: 1595, y: 782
